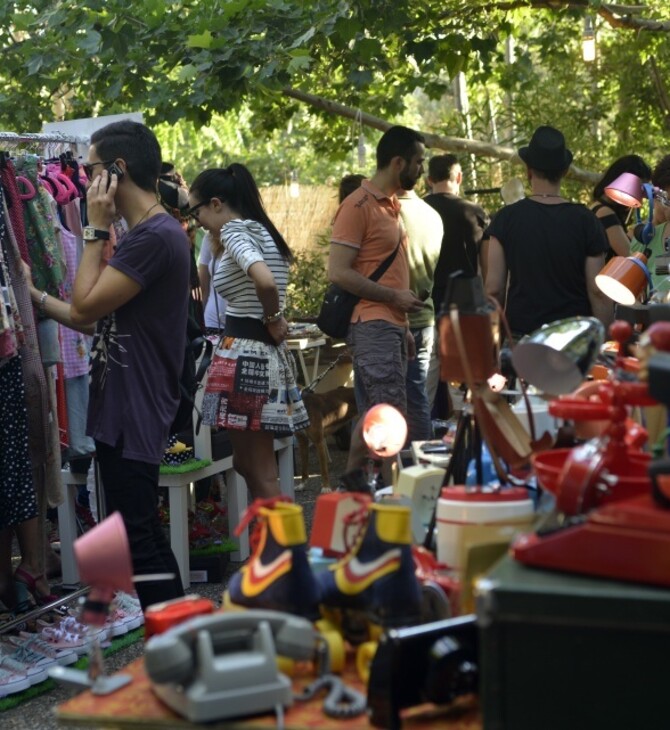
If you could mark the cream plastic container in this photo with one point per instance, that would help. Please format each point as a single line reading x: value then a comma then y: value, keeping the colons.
x: 468, y: 516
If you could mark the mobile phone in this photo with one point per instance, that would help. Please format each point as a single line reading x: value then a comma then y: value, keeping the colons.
x: 114, y: 169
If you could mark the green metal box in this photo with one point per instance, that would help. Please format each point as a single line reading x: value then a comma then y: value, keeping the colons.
x: 566, y: 652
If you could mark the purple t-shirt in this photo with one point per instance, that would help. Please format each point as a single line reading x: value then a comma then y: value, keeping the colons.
x: 138, y: 350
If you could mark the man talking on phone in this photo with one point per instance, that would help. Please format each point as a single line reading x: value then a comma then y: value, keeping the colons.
x: 138, y: 304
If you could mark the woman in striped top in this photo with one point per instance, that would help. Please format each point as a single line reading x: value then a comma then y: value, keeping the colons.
x: 251, y: 385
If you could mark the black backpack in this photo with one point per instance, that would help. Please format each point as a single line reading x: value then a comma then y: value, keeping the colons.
x: 191, y: 376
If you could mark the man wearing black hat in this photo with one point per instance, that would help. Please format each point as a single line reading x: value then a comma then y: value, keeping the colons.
x: 545, y: 251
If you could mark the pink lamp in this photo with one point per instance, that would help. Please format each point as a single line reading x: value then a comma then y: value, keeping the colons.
x: 626, y: 190
x: 103, y: 559
x: 629, y: 190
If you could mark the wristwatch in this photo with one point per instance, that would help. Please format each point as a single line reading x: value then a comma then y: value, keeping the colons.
x: 95, y: 234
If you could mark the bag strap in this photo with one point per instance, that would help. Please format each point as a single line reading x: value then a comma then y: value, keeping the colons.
x: 386, y: 263
x: 216, y: 295
x: 456, y: 325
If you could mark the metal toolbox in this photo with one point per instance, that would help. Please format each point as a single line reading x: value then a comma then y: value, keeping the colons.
x: 566, y: 652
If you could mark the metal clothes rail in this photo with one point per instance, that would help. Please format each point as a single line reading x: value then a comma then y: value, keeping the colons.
x: 50, y: 138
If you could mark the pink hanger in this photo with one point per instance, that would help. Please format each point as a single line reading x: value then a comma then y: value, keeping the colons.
x: 30, y: 188
x: 56, y: 188
x: 69, y: 186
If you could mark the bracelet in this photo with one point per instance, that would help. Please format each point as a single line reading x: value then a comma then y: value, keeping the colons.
x: 43, y: 299
x: 273, y: 317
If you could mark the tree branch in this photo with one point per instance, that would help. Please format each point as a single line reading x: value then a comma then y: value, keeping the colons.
x: 664, y: 100
x: 449, y: 144
x: 618, y: 16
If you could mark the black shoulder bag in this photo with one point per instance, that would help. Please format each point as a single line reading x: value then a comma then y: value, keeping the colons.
x: 338, y: 304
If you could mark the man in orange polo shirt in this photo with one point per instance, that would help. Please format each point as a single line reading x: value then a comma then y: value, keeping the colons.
x: 367, y: 228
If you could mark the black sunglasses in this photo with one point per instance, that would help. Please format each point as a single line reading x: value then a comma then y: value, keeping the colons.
x: 88, y: 167
x: 193, y: 212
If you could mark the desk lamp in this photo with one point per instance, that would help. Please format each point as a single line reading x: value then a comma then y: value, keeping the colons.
x: 621, y: 525
x: 558, y: 356
x: 103, y: 559
x: 623, y: 278
x: 384, y: 430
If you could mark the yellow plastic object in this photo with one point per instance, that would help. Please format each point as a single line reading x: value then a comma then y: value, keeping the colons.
x: 364, y: 656
x: 336, y: 650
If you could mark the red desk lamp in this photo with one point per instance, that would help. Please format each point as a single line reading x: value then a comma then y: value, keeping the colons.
x: 623, y: 538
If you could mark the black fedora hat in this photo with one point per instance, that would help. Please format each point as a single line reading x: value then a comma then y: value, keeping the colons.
x: 546, y: 151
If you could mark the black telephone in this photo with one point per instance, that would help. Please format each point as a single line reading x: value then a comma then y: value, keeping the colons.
x: 114, y: 169
x: 224, y: 665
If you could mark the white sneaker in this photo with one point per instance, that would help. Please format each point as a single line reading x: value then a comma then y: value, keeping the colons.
x: 35, y: 674
x: 33, y: 642
x: 10, y: 682
x: 131, y: 607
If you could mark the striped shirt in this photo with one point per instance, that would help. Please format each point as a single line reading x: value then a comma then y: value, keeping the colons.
x: 245, y: 243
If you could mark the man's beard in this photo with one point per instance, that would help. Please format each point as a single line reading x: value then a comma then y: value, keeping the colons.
x: 407, y: 182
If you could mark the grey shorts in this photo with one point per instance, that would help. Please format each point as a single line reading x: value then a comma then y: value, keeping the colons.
x: 379, y: 349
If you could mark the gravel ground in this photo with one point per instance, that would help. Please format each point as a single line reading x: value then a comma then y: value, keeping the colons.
x: 39, y: 713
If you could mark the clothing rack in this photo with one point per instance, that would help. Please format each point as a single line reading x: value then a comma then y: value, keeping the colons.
x: 53, y: 138
x: 8, y: 139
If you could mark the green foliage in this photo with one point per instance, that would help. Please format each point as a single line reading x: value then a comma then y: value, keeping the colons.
x: 221, y: 68
x: 308, y: 281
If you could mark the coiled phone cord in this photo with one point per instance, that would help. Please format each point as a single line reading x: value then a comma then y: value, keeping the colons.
x: 340, y: 703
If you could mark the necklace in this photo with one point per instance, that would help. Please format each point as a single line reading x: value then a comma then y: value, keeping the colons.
x: 545, y: 195
x: 155, y: 205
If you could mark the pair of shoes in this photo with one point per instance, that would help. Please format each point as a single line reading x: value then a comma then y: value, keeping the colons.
x: 131, y: 609
x: 84, y: 517
x: 20, y: 652
x: 11, y: 682
x: 33, y: 672
x: 30, y: 581
x: 376, y: 576
x: 34, y: 642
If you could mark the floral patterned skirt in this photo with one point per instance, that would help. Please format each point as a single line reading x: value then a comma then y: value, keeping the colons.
x: 251, y: 386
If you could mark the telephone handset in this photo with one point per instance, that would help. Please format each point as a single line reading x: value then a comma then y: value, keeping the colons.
x: 224, y: 665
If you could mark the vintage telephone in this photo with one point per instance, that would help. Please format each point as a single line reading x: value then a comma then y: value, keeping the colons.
x: 224, y: 665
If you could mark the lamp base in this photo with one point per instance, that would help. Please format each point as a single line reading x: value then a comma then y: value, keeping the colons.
x: 102, y: 685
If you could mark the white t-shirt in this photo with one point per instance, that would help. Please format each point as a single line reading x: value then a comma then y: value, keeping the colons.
x: 206, y: 258
x: 247, y: 242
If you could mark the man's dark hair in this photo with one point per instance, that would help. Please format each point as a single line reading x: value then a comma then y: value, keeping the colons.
x: 397, y: 142
x: 552, y: 176
x: 660, y: 177
x: 348, y: 184
x: 441, y: 167
x: 134, y: 143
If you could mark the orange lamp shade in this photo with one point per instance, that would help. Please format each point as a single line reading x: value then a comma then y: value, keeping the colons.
x: 623, y: 279
x: 384, y: 430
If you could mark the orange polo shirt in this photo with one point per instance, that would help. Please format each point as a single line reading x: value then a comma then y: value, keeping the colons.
x: 369, y: 220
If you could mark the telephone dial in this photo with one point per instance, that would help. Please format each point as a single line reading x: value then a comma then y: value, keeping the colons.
x: 224, y: 665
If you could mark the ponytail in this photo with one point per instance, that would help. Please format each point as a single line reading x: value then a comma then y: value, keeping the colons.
x: 236, y: 186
